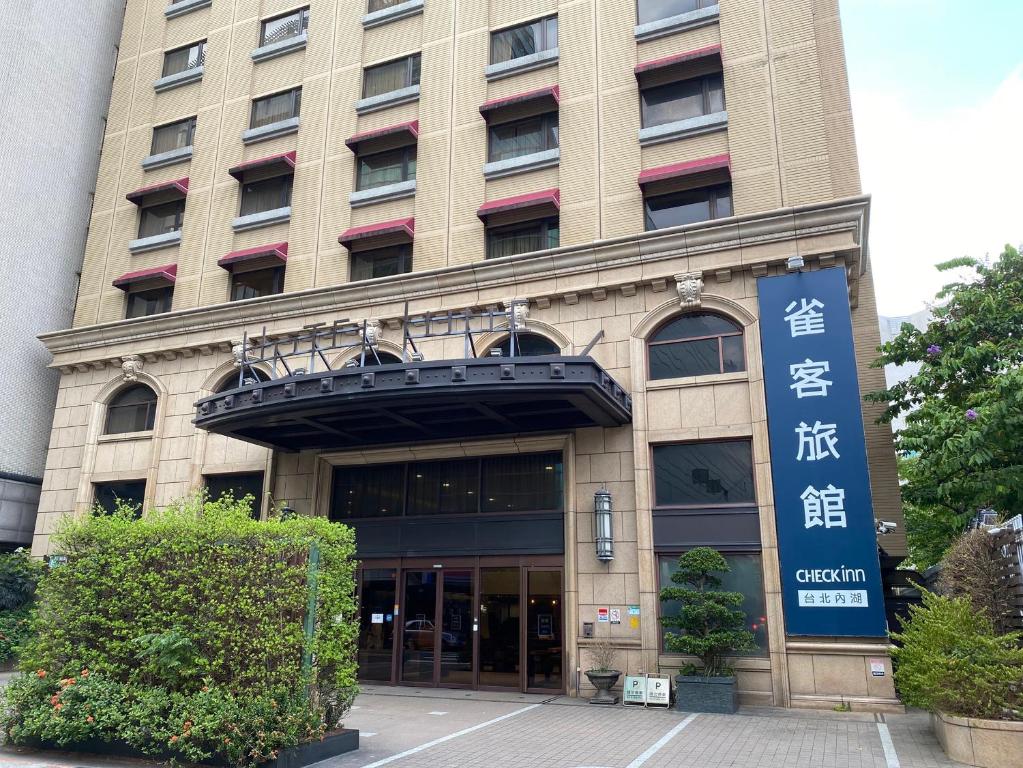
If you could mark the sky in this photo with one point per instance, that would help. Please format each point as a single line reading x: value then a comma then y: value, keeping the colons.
x: 937, y: 93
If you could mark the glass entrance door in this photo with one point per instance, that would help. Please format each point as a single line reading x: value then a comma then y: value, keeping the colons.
x: 499, y: 629
x: 456, y: 629
x: 419, y: 617
x: 543, y: 630
x: 376, y: 624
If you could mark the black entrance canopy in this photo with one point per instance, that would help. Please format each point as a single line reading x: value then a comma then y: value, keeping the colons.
x: 418, y: 401
x: 301, y: 408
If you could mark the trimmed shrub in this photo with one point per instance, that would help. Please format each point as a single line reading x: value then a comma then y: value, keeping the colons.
x: 973, y: 568
x: 183, y: 633
x: 952, y: 660
x: 19, y: 577
x: 712, y: 624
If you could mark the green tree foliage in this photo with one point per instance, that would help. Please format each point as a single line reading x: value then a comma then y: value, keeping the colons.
x: 711, y: 623
x: 182, y: 634
x: 19, y: 577
x: 964, y: 409
x: 951, y: 659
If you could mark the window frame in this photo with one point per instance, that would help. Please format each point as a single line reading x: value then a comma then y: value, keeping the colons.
x: 167, y: 301
x: 655, y: 506
x: 713, y: 191
x: 542, y: 45
x: 698, y: 5
x: 151, y: 407
x: 191, y: 134
x: 406, y: 257
x: 386, y: 4
x: 543, y: 223
x: 740, y: 332
x: 287, y: 180
x: 303, y: 24
x: 409, y: 156
x: 108, y: 483
x: 201, y: 57
x: 705, y: 97
x: 409, y: 59
x: 179, y: 217
x: 296, y: 106
x: 276, y: 279
x: 549, y: 126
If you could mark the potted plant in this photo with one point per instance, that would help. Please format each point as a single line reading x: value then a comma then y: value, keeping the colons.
x: 952, y: 660
x: 603, y: 675
x: 711, y: 627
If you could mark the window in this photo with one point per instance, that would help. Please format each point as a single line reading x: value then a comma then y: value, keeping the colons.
x: 496, y: 484
x: 710, y: 474
x: 379, y: 5
x: 384, y: 168
x: 275, y: 108
x: 379, y: 358
x: 522, y: 238
x: 251, y: 376
x: 284, y: 27
x: 682, y: 99
x: 257, y: 282
x: 167, y: 138
x: 524, y: 40
x: 154, y: 301
x: 133, y: 409
x: 381, y: 262
x: 161, y: 219
x: 688, y: 207
x: 131, y: 493
x: 238, y: 487
x: 696, y: 344
x: 523, y: 137
x: 392, y: 76
x: 746, y: 577
x: 653, y: 10
x: 266, y: 195
x: 528, y: 345
x: 184, y: 59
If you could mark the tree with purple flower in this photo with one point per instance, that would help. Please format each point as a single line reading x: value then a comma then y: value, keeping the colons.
x: 961, y: 449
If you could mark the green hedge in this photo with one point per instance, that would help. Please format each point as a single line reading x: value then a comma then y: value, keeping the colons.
x: 183, y: 632
x: 19, y: 576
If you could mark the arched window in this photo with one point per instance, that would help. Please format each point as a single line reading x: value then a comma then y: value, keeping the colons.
x: 696, y: 344
x: 133, y: 409
x: 380, y: 358
x: 231, y: 382
x: 528, y: 345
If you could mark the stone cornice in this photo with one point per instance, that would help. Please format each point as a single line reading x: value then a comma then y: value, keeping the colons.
x: 205, y: 329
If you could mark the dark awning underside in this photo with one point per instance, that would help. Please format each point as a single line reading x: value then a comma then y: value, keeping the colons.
x: 417, y: 402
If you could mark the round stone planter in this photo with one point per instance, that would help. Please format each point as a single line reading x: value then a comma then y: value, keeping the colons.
x: 603, y: 682
x: 984, y: 743
x: 694, y: 693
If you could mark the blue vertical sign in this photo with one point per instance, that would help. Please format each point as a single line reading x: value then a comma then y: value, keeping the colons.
x: 827, y: 542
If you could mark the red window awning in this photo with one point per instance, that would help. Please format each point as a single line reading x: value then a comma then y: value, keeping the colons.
x: 689, y: 168
x: 284, y: 163
x: 551, y: 95
x: 179, y: 188
x: 402, y: 230
x: 166, y: 274
x: 678, y: 58
x: 410, y: 129
x: 545, y: 202
x: 274, y: 252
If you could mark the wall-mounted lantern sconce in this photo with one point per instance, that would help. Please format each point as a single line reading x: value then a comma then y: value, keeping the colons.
x: 603, y: 525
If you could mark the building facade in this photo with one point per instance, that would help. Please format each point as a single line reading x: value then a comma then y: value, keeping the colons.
x: 445, y: 270
x: 50, y: 152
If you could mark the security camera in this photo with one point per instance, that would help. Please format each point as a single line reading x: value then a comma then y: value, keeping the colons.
x: 884, y: 526
x: 795, y: 263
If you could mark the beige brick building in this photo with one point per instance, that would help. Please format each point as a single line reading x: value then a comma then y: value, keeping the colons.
x: 622, y: 167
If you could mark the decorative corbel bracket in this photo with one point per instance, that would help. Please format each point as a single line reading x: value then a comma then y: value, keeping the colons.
x: 690, y: 289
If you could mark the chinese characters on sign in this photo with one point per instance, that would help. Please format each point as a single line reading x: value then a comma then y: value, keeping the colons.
x: 826, y: 540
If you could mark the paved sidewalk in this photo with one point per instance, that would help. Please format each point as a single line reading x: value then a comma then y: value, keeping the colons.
x: 406, y: 728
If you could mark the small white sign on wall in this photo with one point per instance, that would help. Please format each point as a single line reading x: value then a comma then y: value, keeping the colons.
x: 877, y: 667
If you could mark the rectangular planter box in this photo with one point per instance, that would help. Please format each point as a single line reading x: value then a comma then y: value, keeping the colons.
x: 718, y: 695
x: 333, y: 744
x: 985, y: 743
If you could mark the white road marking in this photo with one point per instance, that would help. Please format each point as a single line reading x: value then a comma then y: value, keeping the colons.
x: 891, y: 758
x: 659, y: 744
x: 449, y: 737
x: 436, y: 713
x: 364, y: 735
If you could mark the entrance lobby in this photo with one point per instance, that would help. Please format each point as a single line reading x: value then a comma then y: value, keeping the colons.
x: 486, y: 623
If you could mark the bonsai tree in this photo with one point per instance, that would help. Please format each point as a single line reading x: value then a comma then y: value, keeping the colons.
x: 712, y: 624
